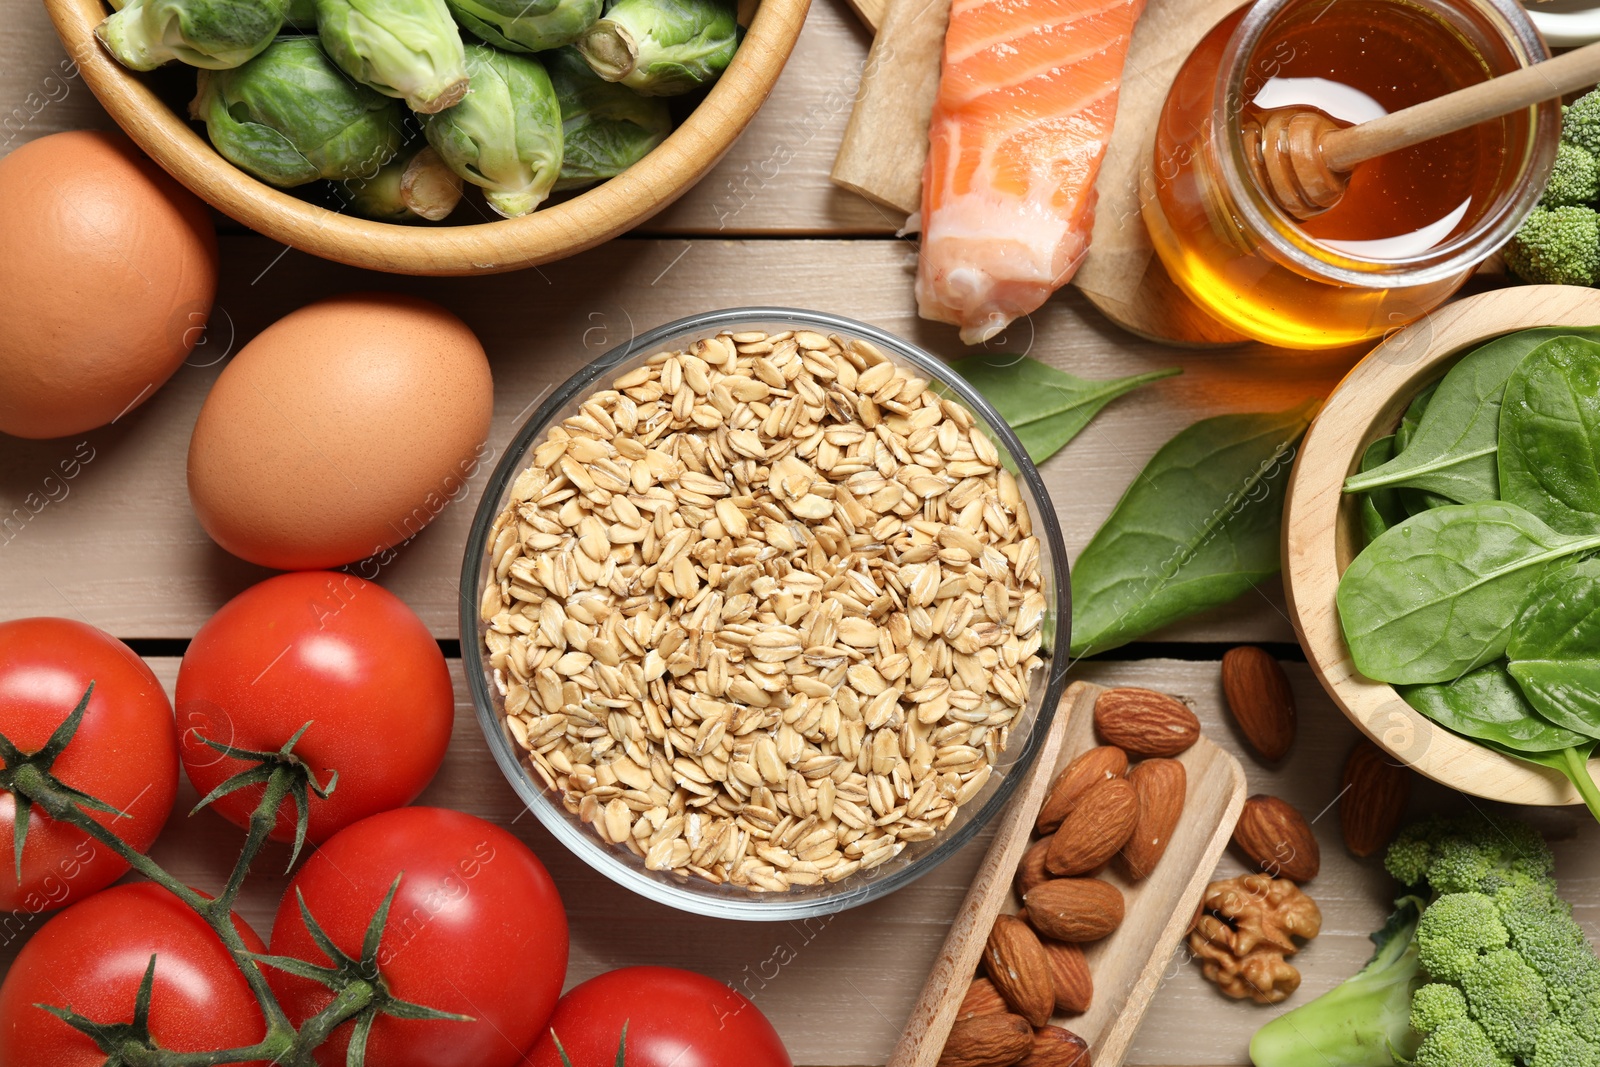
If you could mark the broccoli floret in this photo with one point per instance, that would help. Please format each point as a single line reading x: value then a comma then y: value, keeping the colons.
x: 1458, y: 1043
x: 1575, y: 179
x: 1508, y: 999
x: 1544, y: 933
x: 1494, y: 972
x: 1557, y: 246
x: 1560, y: 1046
x: 1580, y: 123
x: 1455, y: 933
x: 1471, y: 854
x: 1434, y: 1005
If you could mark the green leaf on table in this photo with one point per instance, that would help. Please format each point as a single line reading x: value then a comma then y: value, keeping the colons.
x: 1487, y: 705
x: 1198, y: 527
x: 1555, y: 647
x: 1550, y: 435
x: 1044, y: 406
x: 1380, y: 507
x: 1437, y: 596
x: 1452, y: 452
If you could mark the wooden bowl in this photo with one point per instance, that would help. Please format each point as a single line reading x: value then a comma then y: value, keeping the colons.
x: 1322, y: 530
x: 551, y: 233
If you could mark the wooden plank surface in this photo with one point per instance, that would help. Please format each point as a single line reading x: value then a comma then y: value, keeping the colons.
x: 839, y: 990
x: 119, y: 546
x: 774, y: 180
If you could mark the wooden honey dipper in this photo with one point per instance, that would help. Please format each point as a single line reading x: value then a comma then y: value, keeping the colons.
x: 1303, y: 159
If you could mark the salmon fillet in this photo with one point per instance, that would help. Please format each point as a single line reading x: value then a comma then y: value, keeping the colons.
x: 1026, y: 101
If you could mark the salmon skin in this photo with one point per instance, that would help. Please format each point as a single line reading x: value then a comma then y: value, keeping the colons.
x: 1027, y: 96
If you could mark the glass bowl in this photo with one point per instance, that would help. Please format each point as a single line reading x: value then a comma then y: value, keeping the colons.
x: 688, y: 892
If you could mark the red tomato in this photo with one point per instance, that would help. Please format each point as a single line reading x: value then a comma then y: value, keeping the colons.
x: 333, y: 650
x: 93, y: 957
x: 476, y: 928
x: 124, y: 753
x: 675, y: 1019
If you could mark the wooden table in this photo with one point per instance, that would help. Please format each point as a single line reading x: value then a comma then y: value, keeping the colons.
x: 123, y: 550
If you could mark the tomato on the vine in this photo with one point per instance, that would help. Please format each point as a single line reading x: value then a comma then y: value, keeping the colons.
x: 333, y: 650
x: 476, y: 928
x: 674, y: 1018
x: 93, y: 956
x: 123, y: 753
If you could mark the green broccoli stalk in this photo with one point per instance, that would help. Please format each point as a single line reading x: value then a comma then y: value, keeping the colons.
x: 1483, y: 966
x: 1364, y: 1022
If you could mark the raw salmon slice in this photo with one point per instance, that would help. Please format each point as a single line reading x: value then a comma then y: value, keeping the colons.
x: 1026, y: 101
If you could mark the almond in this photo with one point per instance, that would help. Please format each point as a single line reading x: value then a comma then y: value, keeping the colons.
x: 1260, y: 699
x: 1277, y: 839
x: 1143, y: 722
x: 1055, y: 1047
x: 1374, y: 799
x: 1020, y: 970
x: 1069, y: 974
x: 1075, y: 909
x: 1031, y: 871
x: 982, y: 999
x: 987, y: 1041
x: 1095, y: 829
x: 1160, y: 785
x: 1095, y: 765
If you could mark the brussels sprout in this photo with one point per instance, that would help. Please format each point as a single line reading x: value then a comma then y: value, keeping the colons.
x: 289, y: 116
x: 662, y: 47
x: 527, y: 25
x: 605, y: 128
x: 506, y: 135
x: 302, y: 15
x: 409, y: 49
x: 214, y: 34
x: 413, y: 186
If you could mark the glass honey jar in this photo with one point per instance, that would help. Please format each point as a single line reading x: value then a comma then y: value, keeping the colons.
x: 1411, y: 227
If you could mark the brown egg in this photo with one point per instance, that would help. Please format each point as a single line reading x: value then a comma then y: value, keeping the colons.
x: 107, y: 275
x: 341, y: 430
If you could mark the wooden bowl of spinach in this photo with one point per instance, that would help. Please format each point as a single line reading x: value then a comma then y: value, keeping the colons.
x: 1440, y: 537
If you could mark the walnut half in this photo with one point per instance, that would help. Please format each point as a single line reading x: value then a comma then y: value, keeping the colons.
x: 1247, y: 928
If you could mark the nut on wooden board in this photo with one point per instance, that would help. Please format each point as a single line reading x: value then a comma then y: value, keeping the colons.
x: 987, y: 1041
x: 1159, y: 786
x: 1017, y: 965
x: 1092, y: 766
x: 1143, y: 722
x: 1099, y: 988
x: 1096, y: 828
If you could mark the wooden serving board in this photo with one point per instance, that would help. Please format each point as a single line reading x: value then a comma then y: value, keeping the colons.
x: 1127, y: 966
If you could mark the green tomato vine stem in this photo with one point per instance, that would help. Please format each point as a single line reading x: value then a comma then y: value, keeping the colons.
x: 28, y: 776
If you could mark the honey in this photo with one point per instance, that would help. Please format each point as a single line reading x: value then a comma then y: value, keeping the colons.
x: 1412, y: 225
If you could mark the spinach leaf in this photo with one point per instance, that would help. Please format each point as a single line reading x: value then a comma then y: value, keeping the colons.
x: 1555, y: 647
x: 1550, y: 435
x: 1198, y: 527
x: 1486, y: 705
x: 1046, y: 407
x: 1571, y: 762
x: 1416, y: 501
x: 1408, y: 422
x: 1452, y: 452
x: 1380, y: 508
x: 1437, y: 596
